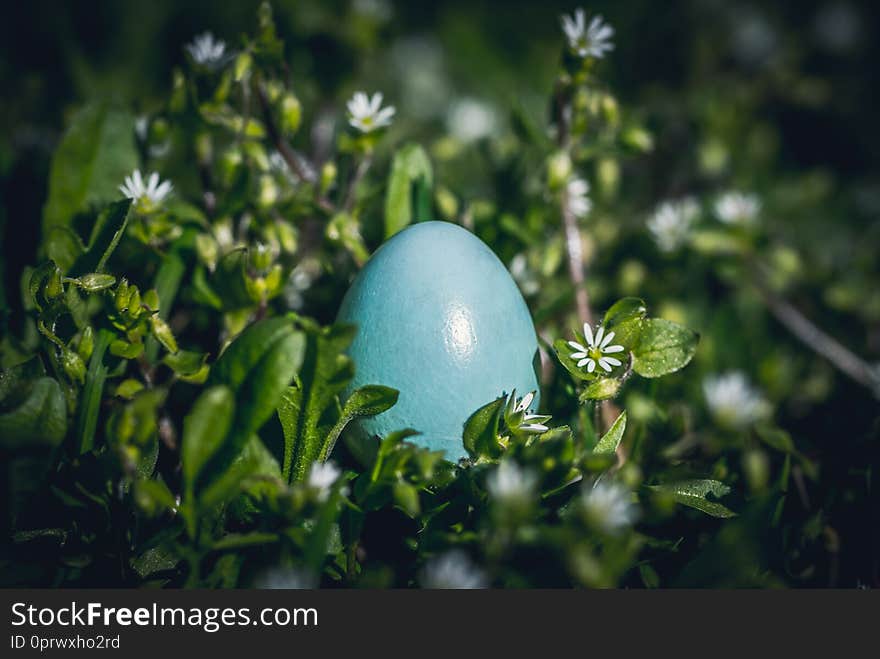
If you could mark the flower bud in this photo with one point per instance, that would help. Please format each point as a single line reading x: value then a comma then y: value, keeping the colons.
x: 558, y: 170
x: 610, y: 109
x: 268, y: 193
x: 53, y: 287
x: 73, y: 365
x: 243, y: 65
x: 151, y: 299
x: 256, y: 288
x: 328, y: 176
x: 261, y: 257
x: 134, y: 302
x: 123, y: 293
x: 291, y: 113
x: 286, y: 235
x: 86, y: 343
x: 163, y: 333
x: 608, y: 176
x: 274, y: 280
x: 207, y: 250
x: 638, y: 138
x: 757, y: 469
x: 95, y: 282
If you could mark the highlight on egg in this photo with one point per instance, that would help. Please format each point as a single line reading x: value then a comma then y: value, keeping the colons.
x: 441, y: 320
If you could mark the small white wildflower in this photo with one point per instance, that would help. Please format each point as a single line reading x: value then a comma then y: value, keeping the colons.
x: 367, y: 114
x: 511, y: 484
x: 607, y: 505
x: 672, y: 221
x: 146, y: 194
x: 733, y: 401
x: 737, y: 208
x: 206, y: 50
x: 593, y: 40
x: 596, y: 351
x: 453, y: 570
x: 532, y: 424
x: 321, y: 478
x: 470, y: 120
x: 576, y: 197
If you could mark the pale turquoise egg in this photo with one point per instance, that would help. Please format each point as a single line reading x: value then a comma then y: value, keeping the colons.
x: 441, y: 320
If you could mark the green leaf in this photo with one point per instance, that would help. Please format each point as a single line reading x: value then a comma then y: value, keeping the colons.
x: 325, y: 373
x: 254, y: 459
x: 480, y: 433
x: 204, y: 430
x: 624, y: 310
x: 664, y: 348
x: 96, y: 154
x: 611, y: 439
x: 258, y: 366
x: 600, y: 389
x: 409, y: 184
x: 90, y: 398
x: 106, y: 234
x: 695, y: 493
x: 369, y: 400
x: 626, y: 318
x: 40, y: 419
x: 168, y: 278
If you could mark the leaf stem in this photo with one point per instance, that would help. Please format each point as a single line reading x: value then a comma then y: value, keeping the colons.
x: 90, y: 402
x: 574, y: 251
x: 824, y: 345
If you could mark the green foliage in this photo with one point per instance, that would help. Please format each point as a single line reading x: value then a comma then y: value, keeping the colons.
x: 173, y: 388
x: 410, y: 183
x: 699, y: 494
x: 97, y: 152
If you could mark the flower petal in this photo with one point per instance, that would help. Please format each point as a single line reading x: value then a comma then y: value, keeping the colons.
x: 607, y: 339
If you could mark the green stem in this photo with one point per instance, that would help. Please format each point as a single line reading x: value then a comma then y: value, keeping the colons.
x: 90, y: 401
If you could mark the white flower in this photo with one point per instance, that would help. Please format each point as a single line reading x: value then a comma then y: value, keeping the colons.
x: 593, y: 40
x: 733, y: 401
x: 321, y: 478
x: 146, y: 194
x: 596, y: 351
x: 470, y: 120
x: 576, y: 197
x: 206, y: 50
x: 607, y: 505
x: 672, y: 221
x: 511, y: 484
x: 532, y: 424
x: 367, y: 114
x: 453, y: 570
x: 737, y: 208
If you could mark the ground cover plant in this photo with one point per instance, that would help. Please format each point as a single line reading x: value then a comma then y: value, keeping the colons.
x: 171, y: 400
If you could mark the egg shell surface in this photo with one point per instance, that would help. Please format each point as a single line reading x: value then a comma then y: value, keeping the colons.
x: 441, y: 320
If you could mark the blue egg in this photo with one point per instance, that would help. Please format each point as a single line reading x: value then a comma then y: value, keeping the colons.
x: 441, y: 320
